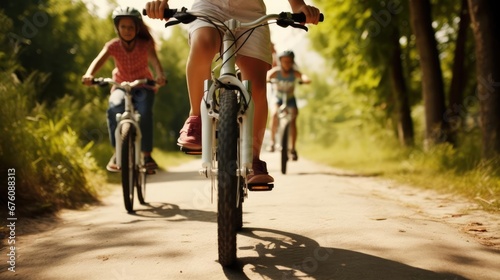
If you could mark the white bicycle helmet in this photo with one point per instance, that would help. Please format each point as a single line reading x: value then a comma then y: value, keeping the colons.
x: 126, y: 12
x: 121, y: 12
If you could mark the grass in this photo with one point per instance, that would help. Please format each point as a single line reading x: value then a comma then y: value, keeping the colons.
x: 443, y: 168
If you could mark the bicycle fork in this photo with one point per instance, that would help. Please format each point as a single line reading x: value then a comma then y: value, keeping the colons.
x: 123, y: 119
x: 209, y: 117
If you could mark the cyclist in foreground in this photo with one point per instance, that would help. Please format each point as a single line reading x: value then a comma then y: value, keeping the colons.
x: 132, y: 51
x: 254, y: 60
x: 284, y: 76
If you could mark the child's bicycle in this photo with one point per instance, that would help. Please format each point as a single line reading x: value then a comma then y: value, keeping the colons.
x: 227, y: 112
x: 283, y: 127
x: 128, y: 136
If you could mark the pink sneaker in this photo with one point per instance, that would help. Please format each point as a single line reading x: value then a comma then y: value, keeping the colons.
x: 190, y: 134
x: 260, y: 174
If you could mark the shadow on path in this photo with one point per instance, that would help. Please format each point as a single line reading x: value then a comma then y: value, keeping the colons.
x: 167, y: 210
x: 284, y: 255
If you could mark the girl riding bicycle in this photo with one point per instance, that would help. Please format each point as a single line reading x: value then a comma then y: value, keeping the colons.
x: 254, y: 59
x: 285, y: 76
x: 132, y: 51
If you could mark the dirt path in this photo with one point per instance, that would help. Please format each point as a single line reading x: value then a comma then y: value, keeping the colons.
x: 318, y: 223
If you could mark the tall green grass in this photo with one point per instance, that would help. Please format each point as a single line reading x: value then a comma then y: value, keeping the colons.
x: 53, y: 169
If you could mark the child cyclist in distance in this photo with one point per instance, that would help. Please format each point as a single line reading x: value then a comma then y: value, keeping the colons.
x: 254, y: 60
x: 131, y: 51
x: 283, y: 78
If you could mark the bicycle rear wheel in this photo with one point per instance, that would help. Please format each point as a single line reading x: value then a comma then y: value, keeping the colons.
x: 227, y: 179
x: 284, y: 148
x: 129, y: 174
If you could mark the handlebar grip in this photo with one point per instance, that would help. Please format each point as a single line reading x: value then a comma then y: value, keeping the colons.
x: 167, y: 13
x: 97, y: 81
x: 301, y: 17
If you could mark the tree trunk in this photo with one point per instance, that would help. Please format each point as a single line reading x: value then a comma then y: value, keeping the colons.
x: 456, y: 110
x: 432, y: 77
x: 400, y: 95
x: 485, y: 25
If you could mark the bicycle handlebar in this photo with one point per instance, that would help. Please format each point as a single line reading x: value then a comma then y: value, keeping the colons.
x: 284, y: 19
x: 275, y: 81
x: 108, y: 81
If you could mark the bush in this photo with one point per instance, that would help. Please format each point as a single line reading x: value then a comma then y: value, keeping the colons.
x: 52, y: 169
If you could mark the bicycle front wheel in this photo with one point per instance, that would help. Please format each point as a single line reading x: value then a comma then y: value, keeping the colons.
x: 284, y: 148
x: 227, y: 179
x: 128, y: 165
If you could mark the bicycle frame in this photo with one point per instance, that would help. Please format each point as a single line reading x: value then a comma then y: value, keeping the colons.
x: 209, y: 109
x: 131, y: 116
x: 283, y: 110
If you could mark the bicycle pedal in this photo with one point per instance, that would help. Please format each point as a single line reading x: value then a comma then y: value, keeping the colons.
x: 190, y: 152
x: 260, y: 187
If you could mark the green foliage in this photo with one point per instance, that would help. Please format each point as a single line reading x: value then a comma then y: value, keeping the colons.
x: 331, y: 110
x: 55, y: 129
x: 172, y: 101
x: 52, y: 170
x: 53, y: 165
x: 359, y: 41
x: 55, y: 36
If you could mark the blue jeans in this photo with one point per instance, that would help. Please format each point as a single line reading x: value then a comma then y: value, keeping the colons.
x: 143, y: 99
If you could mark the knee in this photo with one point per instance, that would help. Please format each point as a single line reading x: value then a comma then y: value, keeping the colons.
x: 204, y: 45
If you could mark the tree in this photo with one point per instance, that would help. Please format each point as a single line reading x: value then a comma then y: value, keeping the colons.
x: 432, y: 77
x: 50, y: 32
x: 455, y: 112
x: 400, y: 94
x: 486, y: 29
x: 172, y: 101
x: 364, y: 47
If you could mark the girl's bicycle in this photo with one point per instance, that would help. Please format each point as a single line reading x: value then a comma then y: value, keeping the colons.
x: 227, y: 112
x: 128, y: 136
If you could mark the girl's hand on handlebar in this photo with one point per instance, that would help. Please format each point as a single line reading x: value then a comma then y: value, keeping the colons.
x: 161, y: 80
x: 312, y: 13
x: 155, y: 9
x: 87, y: 80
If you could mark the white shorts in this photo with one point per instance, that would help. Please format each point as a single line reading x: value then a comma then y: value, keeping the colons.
x: 259, y: 44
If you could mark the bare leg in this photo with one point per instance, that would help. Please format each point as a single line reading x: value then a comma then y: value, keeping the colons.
x: 274, y: 126
x: 205, y: 44
x: 293, y: 128
x: 255, y: 70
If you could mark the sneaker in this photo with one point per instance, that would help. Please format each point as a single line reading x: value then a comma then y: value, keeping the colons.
x: 260, y: 174
x: 150, y: 164
x: 112, y: 167
x: 294, y: 155
x: 190, y: 134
